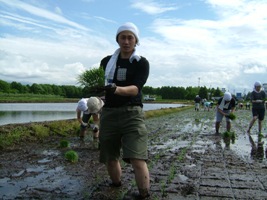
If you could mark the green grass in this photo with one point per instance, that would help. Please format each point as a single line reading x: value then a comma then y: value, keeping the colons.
x: 29, y: 132
x: 33, y: 98
x: 164, y: 111
x: 13, y: 137
x: 40, y: 131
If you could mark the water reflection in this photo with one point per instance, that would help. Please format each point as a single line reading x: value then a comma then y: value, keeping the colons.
x: 34, y: 116
x: 257, y: 149
x: 11, y: 113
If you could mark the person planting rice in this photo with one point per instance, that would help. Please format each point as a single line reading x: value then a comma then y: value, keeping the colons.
x: 225, y: 107
x: 86, y: 108
x: 258, y: 109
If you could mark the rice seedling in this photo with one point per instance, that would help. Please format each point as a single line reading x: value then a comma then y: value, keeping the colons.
x: 227, y: 136
x: 232, y: 116
x: 72, y: 156
x: 64, y: 143
x: 260, y: 135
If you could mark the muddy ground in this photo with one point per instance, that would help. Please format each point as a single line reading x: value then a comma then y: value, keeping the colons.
x: 186, y: 161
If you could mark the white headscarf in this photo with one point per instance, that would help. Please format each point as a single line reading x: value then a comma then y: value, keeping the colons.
x: 256, y: 84
x: 111, y: 66
x: 226, y: 97
x: 82, y: 105
x: 129, y: 26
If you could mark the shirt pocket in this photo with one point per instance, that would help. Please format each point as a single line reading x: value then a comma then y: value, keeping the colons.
x: 121, y: 74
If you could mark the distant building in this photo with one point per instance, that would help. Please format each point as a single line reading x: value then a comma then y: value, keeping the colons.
x: 264, y: 85
x: 239, y: 96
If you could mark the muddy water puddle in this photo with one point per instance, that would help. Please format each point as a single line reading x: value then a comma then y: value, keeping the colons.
x: 180, y: 130
x: 38, y: 177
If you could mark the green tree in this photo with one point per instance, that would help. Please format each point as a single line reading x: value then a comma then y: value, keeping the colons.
x: 217, y: 93
x: 203, y: 92
x: 148, y: 90
x: 72, y: 91
x: 92, y: 78
x: 36, y: 89
x: 4, y: 86
x: 191, y: 92
x: 16, y: 87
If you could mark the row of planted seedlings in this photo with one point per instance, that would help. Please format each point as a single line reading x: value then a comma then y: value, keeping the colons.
x: 175, y: 165
x: 172, y: 166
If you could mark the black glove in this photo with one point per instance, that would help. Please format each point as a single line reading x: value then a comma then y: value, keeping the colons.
x: 111, y: 88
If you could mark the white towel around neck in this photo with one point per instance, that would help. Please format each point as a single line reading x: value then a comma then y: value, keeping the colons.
x: 223, y: 105
x: 111, y: 66
x: 257, y: 91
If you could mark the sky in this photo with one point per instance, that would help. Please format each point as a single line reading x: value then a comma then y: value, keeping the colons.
x: 211, y: 43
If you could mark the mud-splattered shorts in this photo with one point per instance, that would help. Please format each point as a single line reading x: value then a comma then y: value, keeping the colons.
x: 123, y: 128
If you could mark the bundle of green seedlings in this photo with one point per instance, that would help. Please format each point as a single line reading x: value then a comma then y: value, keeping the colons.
x: 260, y: 135
x: 64, y: 143
x: 232, y: 116
x: 228, y: 136
x: 72, y: 156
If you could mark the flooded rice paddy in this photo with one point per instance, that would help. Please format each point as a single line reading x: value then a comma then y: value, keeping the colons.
x: 186, y: 161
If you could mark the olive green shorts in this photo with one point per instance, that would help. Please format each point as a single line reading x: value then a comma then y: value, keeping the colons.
x: 122, y: 128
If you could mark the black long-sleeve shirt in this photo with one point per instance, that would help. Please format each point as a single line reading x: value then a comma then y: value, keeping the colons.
x: 126, y: 74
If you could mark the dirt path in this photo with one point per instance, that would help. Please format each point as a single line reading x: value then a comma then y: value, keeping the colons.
x: 186, y: 161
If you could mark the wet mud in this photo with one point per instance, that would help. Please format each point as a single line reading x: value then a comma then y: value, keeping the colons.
x: 187, y: 160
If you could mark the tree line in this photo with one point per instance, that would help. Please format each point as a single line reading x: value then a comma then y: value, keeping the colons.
x: 93, y: 79
x: 67, y: 91
x: 71, y: 91
x: 188, y: 93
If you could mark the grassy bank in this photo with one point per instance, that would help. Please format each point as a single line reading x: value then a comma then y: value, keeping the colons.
x: 33, y: 98
x: 14, y: 134
x: 164, y: 111
x: 40, y: 98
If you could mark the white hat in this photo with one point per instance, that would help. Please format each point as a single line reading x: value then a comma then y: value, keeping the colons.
x: 82, y: 105
x: 227, y: 96
x: 129, y: 26
x: 94, y: 104
x: 257, y: 83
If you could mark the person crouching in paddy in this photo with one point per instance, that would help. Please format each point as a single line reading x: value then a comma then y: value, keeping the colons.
x: 225, y: 106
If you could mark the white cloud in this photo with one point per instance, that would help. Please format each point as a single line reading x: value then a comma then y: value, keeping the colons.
x: 152, y: 7
x: 228, y: 50
x: 58, y: 10
x: 255, y: 69
x: 42, y: 13
x: 210, y: 49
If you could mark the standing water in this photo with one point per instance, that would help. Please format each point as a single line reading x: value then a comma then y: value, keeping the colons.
x: 11, y: 113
